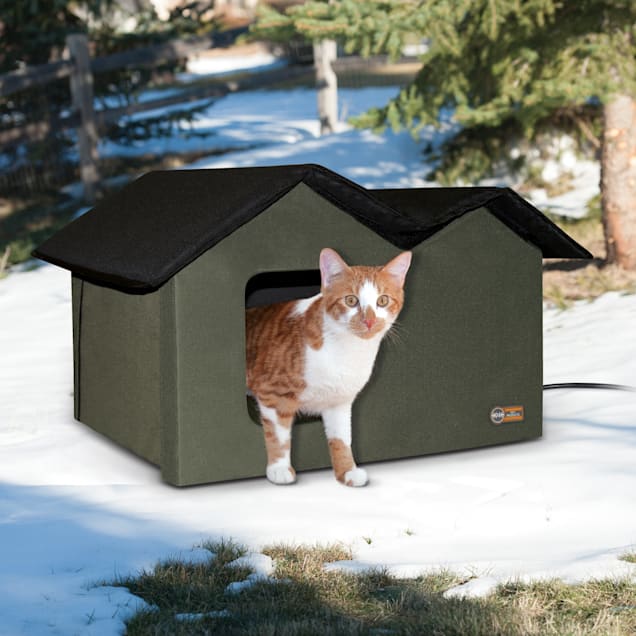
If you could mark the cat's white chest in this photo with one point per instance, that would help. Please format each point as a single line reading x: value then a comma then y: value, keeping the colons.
x: 335, y: 373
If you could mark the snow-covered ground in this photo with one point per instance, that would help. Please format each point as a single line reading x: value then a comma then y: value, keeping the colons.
x: 76, y: 510
x: 276, y: 127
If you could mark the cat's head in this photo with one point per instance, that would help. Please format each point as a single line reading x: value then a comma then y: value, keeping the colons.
x: 364, y: 300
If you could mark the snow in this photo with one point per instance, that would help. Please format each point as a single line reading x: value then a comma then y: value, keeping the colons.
x: 262, y: 566
x: 76, y: 511
x: 475, y: 588
x: 218, y: 65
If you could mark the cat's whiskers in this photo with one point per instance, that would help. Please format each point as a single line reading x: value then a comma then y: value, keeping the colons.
x: 396, y: 333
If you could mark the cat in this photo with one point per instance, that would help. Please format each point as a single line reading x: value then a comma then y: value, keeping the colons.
x: 314, y: 356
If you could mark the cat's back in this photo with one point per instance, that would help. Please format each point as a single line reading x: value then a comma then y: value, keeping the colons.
x: 276, y: 336
x: 266, y: 319
x: 268, y: 328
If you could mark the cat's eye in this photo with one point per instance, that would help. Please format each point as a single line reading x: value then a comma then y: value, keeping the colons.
x: 351, y: 300
x: 383, y: 300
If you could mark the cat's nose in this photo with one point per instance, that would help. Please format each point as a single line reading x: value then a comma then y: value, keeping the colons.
x: 369, y: 322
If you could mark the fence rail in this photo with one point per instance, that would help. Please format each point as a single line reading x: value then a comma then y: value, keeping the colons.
x: 149, y: 56
x: 28, y: 77
x: 90, y: 123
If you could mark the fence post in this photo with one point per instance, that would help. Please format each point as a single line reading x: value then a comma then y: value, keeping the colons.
x: 82, y: 97
x: 325, y: 52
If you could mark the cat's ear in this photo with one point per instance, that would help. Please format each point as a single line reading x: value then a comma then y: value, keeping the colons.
x: 331, y: 266
x: 398, y: 267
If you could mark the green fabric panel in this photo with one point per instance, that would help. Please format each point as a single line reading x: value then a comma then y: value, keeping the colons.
x: 469, y: 340
x: 118, y: 357
x: 168, y: 362
x: 76, y: 295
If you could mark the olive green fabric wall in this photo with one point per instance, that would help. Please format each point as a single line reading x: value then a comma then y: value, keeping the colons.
x: 163, y: 373
x: 117, y: 367
x: 469, y: 339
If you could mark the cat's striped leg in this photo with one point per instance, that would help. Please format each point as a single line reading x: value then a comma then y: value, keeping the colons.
x: 277, y: 429
x: 337, y: 423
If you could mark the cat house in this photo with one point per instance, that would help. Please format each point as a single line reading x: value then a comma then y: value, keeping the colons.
x: 163, y: 270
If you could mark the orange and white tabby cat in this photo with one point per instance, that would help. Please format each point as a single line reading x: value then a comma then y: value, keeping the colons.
x: 315, y: 355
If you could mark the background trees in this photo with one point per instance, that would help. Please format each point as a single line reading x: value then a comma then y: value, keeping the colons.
x: 503, y: 68
x: 35, y: 32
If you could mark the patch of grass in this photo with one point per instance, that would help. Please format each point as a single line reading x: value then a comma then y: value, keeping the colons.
x: 562, y: 286
x: 224, y: 550
x: 173, y: 587
x: 567, y: 281
x: 552, y: 607
x: 25, y: 223
x: 305, y: 599
x: 555, y: 295
x: 595, y: 281
x: 4, y: 261
x: 630, y: 557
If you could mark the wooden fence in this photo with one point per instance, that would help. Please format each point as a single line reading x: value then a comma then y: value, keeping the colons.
x: 80, y: 69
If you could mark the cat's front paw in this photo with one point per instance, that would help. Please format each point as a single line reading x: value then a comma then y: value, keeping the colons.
x: 356, y: 477
x: 281, y: 474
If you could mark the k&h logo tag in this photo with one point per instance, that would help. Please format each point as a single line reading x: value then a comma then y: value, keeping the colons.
x: 506, y: 414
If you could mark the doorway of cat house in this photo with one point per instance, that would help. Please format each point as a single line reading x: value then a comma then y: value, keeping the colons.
x: 268, y: 288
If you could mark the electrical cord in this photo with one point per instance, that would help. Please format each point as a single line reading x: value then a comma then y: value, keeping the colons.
x: 589, y: 385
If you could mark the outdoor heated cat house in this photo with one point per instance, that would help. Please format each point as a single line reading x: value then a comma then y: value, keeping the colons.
x: 163, y: 270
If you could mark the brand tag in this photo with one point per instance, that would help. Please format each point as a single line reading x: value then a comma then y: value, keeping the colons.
x: 506, y: 414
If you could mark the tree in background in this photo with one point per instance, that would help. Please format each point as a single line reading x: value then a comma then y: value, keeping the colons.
x: 34, y: 32
x: 502, y: 67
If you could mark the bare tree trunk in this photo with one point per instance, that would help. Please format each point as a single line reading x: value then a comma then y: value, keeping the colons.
x: 618, y: 180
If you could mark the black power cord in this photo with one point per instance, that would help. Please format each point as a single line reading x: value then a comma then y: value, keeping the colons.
x: 589, y: 385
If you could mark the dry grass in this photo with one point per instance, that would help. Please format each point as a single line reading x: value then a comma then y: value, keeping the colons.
x: 561, y: 287
x: 553, y: 607
x: 4, y: 261
x: 305, y: 599
x: 567, y: 281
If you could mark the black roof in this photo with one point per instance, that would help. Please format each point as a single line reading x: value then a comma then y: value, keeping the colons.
x: 144, y: 234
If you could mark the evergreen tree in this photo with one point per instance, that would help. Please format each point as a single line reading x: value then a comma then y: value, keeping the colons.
x: 503, y: 66
x: 34, y: 32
